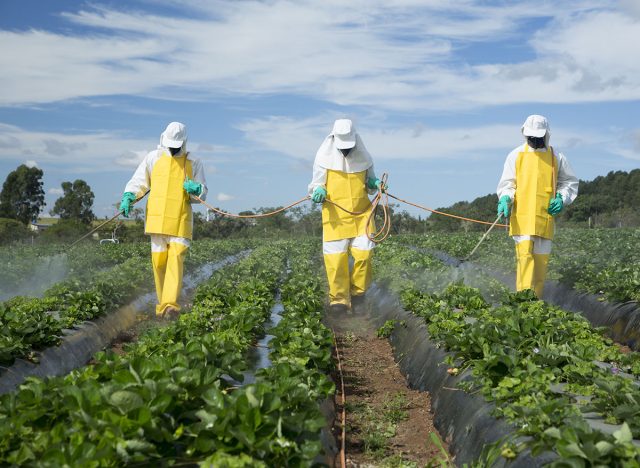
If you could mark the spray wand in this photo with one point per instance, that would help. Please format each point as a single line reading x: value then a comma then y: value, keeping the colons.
x: 105, y: 223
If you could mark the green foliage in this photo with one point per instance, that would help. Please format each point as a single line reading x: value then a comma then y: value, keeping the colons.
x: 75, y: 202
x: 599, y: 261
x: 175, y: 396
x: 482, y: 208
x: 22, y: 196
x: 386, y: 329
x: 65, y: 230
x: 28, y: 323
x: 12, y: 231
x: 610, y: 201
x: 536, y: 364
x: 25, y: 325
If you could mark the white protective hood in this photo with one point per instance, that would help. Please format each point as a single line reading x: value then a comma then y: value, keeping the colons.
x: 330, y: 157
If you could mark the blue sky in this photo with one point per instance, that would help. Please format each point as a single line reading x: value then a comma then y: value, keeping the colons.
x: 438, y: 89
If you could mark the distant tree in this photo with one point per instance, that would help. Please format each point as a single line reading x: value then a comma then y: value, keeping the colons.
x: 482, y: 208
x: 22, y: 195
x: 76, y: 202
x: 12, y: 230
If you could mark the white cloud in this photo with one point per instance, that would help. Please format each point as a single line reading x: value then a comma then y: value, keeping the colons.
x: 55, y: 191
x: 415, y: 142
x: 402, y: 54
x: 31, y: 163
x: 77, y: 152
x: 224, y: 197
x: 130, y: 158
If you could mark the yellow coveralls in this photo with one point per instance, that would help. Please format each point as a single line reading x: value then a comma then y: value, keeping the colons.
x: 536, y: 175
x: 344, y: 233
x: 168, y: 218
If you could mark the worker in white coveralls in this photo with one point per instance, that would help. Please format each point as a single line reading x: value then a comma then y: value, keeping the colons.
x: 538, y: 180
x: 343, y: 173
x: 171, y: 177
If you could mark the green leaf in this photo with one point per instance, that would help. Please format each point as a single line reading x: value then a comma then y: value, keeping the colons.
x: 125, y: 400
x: 570, y: 450
x: 553, y: 432
x: 604, y: 447
x: 623, y: 435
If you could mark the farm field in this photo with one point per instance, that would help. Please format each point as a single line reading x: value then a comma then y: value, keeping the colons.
x: 177, y: 394
x: 243, y: 378
x: 598, y: 261
x: 560, y: 384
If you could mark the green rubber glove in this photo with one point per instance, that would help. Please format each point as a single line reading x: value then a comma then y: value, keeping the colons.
x: 555, y: 205
x: 375, y: 184
x: 503, y: 205
x: 125, y: 203
x: 319, y: 195
x: 192, y: 187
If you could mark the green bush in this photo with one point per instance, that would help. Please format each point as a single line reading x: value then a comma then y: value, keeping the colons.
x: 65, y: 230
x: 12, y: 230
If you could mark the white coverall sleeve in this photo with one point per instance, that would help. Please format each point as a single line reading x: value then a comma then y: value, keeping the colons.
x: 141, y: 180
x: 507, y: 184
x: 371, y: 174
x: 319, y: 178
x: 567, y: 184
x: 198, y: 176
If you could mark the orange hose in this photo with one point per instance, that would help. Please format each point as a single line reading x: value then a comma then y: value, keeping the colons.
x: 446, y: 214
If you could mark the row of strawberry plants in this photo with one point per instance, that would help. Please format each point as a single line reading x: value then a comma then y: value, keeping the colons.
x: 171, y: 397
x: 542, y: 367
x: 598, y: 261
x: 27, y: 324
x: 400, y: 266
x: 284, y: 427
x: 23, y: 262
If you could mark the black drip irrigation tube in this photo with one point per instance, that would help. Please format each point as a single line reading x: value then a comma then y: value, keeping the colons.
x: 259, y: 355
x: 621, y: 319
x: 464, y: 420
x: 80, y: 344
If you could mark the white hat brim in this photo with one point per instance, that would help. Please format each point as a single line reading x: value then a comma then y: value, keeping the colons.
x: 168, y: 143
x: 345, y: 141
x: 534, y: 132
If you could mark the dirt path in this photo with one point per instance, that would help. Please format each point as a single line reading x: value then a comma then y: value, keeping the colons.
x: 388, y: 424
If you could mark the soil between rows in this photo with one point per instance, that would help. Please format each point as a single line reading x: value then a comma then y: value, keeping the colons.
x: 388, y: 424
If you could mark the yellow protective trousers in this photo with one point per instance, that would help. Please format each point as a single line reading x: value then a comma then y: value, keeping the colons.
x: 531, y: 268
x: 167, y: 258
x: 344, y: 284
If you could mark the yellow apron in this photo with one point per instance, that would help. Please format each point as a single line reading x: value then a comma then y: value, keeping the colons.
x: 350, y: 192
x: 535, y: 187
x: 169, y: 209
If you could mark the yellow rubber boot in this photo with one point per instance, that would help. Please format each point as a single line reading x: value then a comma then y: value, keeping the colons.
x: 361, y: 273
x: 337, y: 266
x: 540, y: 263
x: 525, y: 263
x: 173, y: 277
x: 159, y: 263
